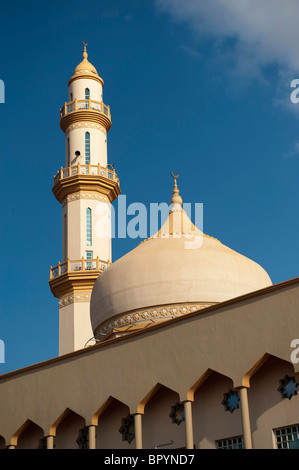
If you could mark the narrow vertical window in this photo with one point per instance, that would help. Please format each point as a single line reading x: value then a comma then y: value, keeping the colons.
x: 65, y: 238
x: 89, y: 264
x: 87, y: 148
x: 87, y: 96
x: 88, y: 227
x: 68, y: 152
x: 71, y: 97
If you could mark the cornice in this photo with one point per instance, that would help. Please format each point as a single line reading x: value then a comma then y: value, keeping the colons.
x: 73, y: 282
x: 86, y: 184
x: 82, y: 115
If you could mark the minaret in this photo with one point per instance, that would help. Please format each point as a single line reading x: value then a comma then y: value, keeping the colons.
x: 86, y: 188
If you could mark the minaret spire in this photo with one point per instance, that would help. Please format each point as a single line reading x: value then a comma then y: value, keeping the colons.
x: 85, y: 55
x: 176, y: 199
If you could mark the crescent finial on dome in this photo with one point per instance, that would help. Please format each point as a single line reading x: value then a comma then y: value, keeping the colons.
x: 176, y: 198
x: 85, y: 55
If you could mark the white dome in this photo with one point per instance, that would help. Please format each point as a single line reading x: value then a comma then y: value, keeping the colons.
x: 177, y: 266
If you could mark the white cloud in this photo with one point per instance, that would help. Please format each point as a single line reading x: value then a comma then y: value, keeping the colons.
x: 264, y: 32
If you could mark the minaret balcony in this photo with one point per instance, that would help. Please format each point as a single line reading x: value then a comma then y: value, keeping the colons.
x: 79, y: 273
x: 85, y: 110
x: 86, y: 178
x: 79, y: 266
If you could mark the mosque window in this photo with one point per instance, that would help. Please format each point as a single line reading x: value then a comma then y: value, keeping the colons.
x: 231, y: 400
x: 87, y: 148
x: 88, y: 255
x: 87, y: 93
x: 177, y: 413
x: 127, y: 428
x: 88, y: 227
x: 65, y: 235
x: 288, y: 387
x: 230, y: 443
x: 287, y: 438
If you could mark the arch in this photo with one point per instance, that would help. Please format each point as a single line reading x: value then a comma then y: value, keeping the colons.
x: 105, y: 405
x: 260, y: 363
x: 197, y: 384
x: 87, y: 93
x: 147, y: 398
x: 110, y: 418
x: 216, y: 409
x: 163, y: 419
x: 66, y: 429
x: 28, y: 427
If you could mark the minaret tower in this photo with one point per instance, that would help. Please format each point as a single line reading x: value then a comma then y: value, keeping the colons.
x: 85, y: 187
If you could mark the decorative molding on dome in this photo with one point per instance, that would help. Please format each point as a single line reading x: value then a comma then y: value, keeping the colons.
x: 83, y: 125
x: 170, y: 235
x: 140, y: 319
x: 91, y: 195
x: 73, y: 297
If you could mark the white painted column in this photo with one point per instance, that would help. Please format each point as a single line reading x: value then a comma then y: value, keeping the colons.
x: 138, y: 430
x: 92, y: 437
x: 245, y: 418
x: 50, y: 442
x: 188, y: 425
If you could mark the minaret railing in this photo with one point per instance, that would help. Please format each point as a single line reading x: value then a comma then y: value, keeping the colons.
x: 77, y: 105
x: 78, y: 266
x: 79, y: 169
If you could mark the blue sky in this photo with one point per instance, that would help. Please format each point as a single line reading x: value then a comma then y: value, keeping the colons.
x: 198, y: 87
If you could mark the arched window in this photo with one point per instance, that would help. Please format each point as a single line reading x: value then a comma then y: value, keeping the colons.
x: 87, y: 148
x: 68, y: 152
x: 87, y: 93
x: 88, y: 227
x: 65, y: 237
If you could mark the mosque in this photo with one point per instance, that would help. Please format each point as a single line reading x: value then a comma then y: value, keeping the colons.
x: 182, y: 343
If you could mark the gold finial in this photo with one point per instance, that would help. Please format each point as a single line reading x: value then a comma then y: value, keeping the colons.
x: 176, y: 198
x: 85, y: 55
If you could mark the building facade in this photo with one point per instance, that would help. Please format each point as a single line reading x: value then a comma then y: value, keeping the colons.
x: 192, y: 346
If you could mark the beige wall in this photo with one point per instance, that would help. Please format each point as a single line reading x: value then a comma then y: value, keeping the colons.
x: 77, y: 88
x: 98, y: 145
x: 76, y: 229
x: 74, y: 327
